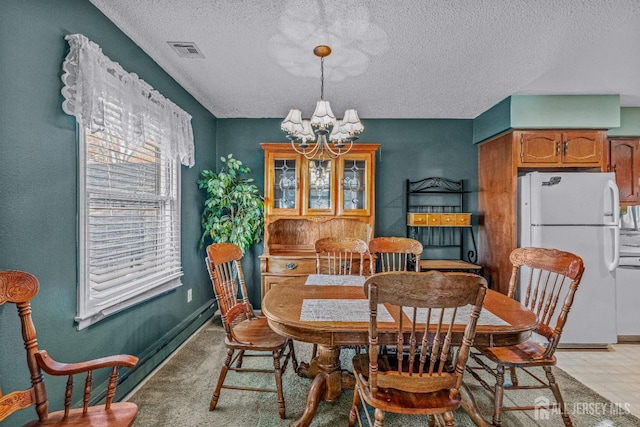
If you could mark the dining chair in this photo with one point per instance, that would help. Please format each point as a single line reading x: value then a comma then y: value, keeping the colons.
x: 20, y: 288
x: 340, y: 255
x: 425, y: 376
x: 395, y: 254
x: 548, y: 280
x: 247, y: 334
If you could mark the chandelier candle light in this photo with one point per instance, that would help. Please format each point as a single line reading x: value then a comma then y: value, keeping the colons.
x: 341, y: 133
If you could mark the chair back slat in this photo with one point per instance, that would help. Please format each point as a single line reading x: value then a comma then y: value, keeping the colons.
x: 428, y: 321
x: 548, y: 280
x: 340, y: 255
x: 395, y: 254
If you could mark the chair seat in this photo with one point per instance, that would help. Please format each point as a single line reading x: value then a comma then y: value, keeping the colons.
x: 121, y: 414
x: 257, y: 333
x: 398, y: 401
x: 528, y: 353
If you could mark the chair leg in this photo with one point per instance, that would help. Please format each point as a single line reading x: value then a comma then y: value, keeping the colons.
x: 448, y: 419
x: 556, y: 392
x: 514, y: 376
x: 292, y: 354
x: 353, y: 414
x: 379, y: 416
x: 499, y: 392
x: 239, y: 361
x: 221, y: 377
x: 278, y: 375
x: 314, y: 352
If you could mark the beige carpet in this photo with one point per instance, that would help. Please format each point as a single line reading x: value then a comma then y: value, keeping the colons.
x: 179, y: 394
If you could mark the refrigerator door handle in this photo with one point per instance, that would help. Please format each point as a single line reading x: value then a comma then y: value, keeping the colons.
x: 615, y: 203
x: 611, y: 265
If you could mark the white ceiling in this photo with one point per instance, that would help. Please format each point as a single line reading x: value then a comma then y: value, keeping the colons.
x: 391, y: 59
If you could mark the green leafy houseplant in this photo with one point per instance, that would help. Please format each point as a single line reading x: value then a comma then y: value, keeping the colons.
x: 234, y: 209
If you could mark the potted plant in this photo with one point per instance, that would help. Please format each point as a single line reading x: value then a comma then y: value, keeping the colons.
x: 234, y: 209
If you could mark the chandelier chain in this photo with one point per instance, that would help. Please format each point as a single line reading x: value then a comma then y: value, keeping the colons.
x: 322, y: 78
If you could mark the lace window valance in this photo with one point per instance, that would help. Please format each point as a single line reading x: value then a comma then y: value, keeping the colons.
x: 106, y: 98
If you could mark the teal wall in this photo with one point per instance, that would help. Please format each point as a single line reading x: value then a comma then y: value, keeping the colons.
x: 548, y: 112
x: 410, y: 149
x: 38, y: 194
x: 629, y: 123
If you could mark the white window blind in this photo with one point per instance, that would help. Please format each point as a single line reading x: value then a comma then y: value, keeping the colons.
x: 129, y: 185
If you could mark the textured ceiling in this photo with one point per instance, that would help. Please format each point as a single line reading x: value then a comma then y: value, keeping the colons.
x: 391, y: 59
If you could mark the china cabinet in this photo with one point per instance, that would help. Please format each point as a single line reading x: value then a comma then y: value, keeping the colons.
x: 306, y: 200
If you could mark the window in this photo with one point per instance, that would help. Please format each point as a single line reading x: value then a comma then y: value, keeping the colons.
x: 129, y: 183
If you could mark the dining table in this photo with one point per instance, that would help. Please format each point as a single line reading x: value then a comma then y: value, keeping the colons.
x: 333, y: 312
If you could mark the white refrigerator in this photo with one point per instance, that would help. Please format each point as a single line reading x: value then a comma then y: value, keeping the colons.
x: 577, y: 212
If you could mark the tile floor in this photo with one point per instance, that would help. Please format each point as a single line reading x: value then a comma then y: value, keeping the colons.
x: 613, y: 373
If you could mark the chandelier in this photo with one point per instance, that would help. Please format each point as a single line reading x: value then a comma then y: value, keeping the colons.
x: 333, y: 137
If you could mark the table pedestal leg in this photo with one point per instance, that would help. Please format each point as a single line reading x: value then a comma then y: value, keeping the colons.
x: 327, y: 382
x: 471, y: 407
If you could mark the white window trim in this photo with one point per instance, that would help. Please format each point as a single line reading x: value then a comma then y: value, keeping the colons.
x: 88, y: 311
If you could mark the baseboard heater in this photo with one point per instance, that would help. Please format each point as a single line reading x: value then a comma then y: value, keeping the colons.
x: 194, y: 321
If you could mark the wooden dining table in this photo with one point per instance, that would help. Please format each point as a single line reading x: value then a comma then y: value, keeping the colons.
x: 333, y: 312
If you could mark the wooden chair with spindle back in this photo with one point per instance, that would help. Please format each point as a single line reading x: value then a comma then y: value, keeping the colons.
x: 548, y: 280
x: 340, y: 255
x: 245, y: 331
x: 420, y: 377
x: 20, y: 288
x: 395, y: 254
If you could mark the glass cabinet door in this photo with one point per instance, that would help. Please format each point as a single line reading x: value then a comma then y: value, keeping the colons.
x: 283, y: 191
x: 319, y: 188
x: 354, y: 185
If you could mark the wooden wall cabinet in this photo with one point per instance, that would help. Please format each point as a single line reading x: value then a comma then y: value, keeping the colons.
x: 561, y: 148
x: 305, y: 202
x: 500, y: 161
x: 625, y: 162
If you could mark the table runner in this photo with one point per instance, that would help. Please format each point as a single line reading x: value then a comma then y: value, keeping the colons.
x: 340, y: 310
x: 462, y: 316
x: 334, y: 280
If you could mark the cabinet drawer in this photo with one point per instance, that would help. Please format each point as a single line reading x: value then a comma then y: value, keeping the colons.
x: 434, y: 219
x: 417, y: 219
x: 463, y: 219
x: 448, y: 219
x: 291, y: 266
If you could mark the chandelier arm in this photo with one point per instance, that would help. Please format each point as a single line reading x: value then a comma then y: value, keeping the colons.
x: 340, y: 151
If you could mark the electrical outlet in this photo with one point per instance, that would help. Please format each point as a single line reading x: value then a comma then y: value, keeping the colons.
x: 189, y: 295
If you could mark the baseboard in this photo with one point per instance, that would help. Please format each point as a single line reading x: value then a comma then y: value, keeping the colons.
x: 605, y: 347
x: 628, y: 339
x: 163, y: 349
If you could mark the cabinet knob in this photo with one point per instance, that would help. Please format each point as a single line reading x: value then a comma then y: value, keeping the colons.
x: 291, y: 266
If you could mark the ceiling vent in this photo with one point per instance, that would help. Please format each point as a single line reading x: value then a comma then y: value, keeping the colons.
x: 186, y: 49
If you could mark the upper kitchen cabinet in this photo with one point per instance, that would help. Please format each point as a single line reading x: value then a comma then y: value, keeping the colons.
x: 542, y: 149
x: 500, y: 160
x: 306, y: 200
x: 625, y: 162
